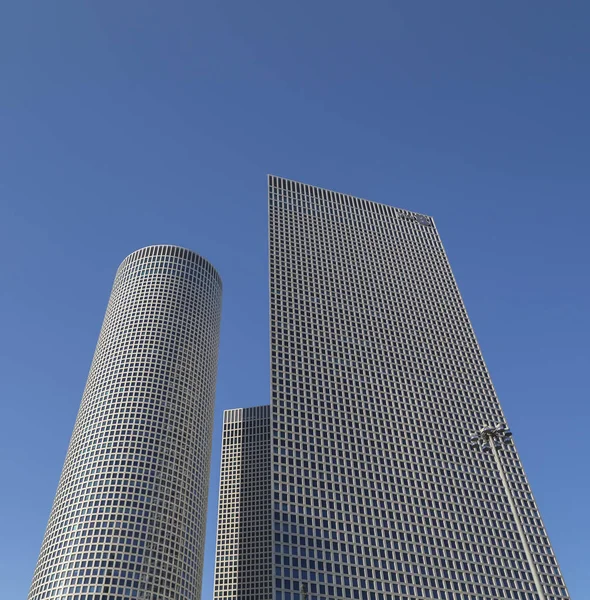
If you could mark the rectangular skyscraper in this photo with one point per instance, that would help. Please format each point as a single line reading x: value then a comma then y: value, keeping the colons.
x: 243, y: 560
x: 377, y: 385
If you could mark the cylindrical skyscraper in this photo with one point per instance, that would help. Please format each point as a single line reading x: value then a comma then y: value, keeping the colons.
x: 129, y: 515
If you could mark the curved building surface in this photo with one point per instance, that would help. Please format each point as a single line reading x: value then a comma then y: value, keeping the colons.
x: 129, y: 515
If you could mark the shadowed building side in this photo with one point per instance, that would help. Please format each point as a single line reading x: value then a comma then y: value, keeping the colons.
x: 243, y: 567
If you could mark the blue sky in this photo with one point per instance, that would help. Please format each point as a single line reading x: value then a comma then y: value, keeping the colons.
x: 124, y: 124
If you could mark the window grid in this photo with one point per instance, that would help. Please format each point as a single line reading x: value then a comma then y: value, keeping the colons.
x: 244, y: 543
x: 128, y: 520
x: 377, y: 383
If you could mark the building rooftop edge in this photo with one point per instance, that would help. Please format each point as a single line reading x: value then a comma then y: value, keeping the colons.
x: 214, y: 271
x: 405, y: 210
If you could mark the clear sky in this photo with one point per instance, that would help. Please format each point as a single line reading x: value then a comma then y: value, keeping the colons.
x: 137, y: 122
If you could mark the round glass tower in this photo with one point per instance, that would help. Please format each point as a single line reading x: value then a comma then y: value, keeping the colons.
x: 129, y: 515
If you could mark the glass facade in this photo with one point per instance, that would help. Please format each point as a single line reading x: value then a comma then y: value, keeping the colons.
x: 244, y: 544
x: 377, y: 384
x: 129, y: 515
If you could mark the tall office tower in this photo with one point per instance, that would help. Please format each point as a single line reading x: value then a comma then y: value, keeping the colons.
x: 377, y: 384
x: 129, y: 516
x: 244, y: 542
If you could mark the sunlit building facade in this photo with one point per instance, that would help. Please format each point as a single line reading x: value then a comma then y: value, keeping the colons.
x: 129, y: 515
x: 377, y: 384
